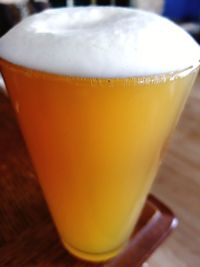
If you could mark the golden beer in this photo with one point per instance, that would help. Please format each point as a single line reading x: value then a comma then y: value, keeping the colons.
x: 96, y: 145
x: 97, y: 92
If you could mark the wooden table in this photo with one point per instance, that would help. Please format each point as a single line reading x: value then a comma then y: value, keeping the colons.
x: 178, y: 185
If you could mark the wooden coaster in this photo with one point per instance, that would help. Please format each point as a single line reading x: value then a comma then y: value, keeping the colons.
x: 27, y: 235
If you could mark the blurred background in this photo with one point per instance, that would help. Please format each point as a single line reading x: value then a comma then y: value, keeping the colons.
x: 185, y: 12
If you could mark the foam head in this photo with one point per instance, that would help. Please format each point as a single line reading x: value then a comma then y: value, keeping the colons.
x: 99, y: 42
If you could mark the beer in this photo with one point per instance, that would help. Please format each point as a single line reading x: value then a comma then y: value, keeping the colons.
x: 96, y: 136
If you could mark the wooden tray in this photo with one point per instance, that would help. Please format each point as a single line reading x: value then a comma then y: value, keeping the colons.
x: 27, y: 235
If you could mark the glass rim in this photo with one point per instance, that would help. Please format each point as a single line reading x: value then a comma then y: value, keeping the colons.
x: 143, y: 79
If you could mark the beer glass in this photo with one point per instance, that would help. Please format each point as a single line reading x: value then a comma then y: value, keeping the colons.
x: 96, y: 144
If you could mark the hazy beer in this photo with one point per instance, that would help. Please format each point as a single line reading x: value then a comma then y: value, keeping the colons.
x: 96, y: 144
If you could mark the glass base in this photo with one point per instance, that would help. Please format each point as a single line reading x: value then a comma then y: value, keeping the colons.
x: 92, y: 256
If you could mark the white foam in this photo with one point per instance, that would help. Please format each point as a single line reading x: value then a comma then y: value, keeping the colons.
x: 99, y: 42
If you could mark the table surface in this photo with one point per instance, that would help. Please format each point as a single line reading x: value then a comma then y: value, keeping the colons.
x: 177, y: 185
